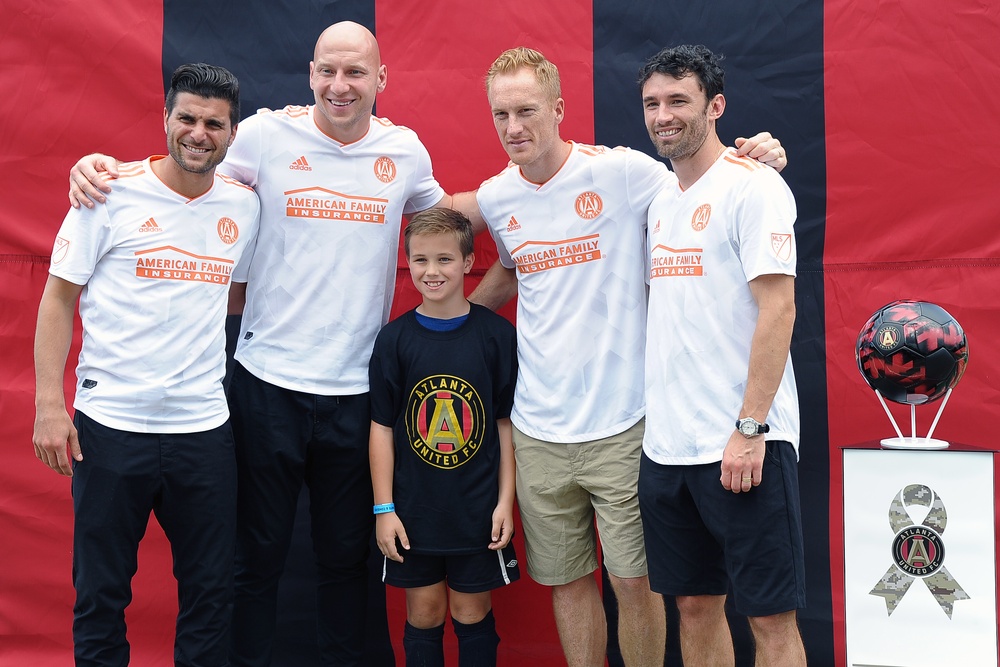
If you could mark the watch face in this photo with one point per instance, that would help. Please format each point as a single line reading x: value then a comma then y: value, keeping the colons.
x: 747, y: 428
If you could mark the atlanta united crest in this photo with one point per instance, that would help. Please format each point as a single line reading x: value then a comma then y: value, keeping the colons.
x: 918, y: 551
x: 889, y: 337
x: 445, y: 421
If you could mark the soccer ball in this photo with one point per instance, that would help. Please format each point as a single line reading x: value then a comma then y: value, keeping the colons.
x: 912, y: 351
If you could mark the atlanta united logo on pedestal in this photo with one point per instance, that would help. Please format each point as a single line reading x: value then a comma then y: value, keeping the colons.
x: 918, y: 551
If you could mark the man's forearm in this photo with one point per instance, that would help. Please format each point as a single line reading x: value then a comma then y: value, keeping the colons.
x: 770, y: 344
x: 497, y: 287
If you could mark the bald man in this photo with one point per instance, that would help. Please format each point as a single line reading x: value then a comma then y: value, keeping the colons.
x: 334, y: 182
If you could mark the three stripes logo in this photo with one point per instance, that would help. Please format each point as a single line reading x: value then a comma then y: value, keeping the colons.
x: 149, y: 226
x: 513, y: 224
x: 300, y: 165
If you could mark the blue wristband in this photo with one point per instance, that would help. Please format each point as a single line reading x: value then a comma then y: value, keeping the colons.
x: 384, y: 508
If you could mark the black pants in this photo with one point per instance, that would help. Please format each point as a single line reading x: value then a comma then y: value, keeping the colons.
x: 285, y: 438
x: 188, y: 481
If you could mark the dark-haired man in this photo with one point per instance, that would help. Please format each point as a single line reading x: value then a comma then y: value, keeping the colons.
x: 718, y: 485
x: 152, y: 271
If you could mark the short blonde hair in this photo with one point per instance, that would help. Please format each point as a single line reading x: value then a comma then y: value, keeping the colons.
x: 512, y: 60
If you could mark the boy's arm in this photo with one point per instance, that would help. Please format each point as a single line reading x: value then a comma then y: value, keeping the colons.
x: 388, y: 527
x: 503, y: 515
x: 54, y: 431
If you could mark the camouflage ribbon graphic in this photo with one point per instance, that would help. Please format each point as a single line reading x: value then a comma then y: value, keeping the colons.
x: 918, y: 551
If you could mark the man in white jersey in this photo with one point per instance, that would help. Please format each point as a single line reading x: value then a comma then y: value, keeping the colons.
x: 571, y: 219
x: 334, y: 182
x: 718, y: 483
x: 151, y: 432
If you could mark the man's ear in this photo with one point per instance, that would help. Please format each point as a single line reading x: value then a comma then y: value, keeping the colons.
x: 716, y: 107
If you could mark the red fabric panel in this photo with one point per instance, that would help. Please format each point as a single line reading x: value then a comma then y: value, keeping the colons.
x: 912, y: 163
x: 53, y: 107
x: 54, y: 110
x: 437, y: 55
x: 36, y: 512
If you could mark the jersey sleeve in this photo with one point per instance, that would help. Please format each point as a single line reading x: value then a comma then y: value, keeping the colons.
x: 506, y: 374
x: 645, y: 177
x: 84, y: 237
x: 505, y: 259
x: 243, y: 158
x: 426, y: 190
x: 383, y: 381
x: 765, y: 232
x: 241, y: 272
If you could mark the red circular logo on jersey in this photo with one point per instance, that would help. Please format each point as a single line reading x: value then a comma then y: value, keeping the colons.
x: 228, y: 231
x: 589, y: 205
x: 385, y: 169
x: 699, y: 220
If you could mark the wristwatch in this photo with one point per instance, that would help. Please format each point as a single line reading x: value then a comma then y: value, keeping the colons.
x: 750, y: 427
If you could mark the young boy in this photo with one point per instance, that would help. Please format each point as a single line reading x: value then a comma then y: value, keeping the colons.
x: 442, y: 385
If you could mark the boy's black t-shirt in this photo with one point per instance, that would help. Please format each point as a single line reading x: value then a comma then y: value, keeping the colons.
x: 442, y: 392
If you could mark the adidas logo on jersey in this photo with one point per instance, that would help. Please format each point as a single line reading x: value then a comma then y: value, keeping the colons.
x: 300, y: 164
x: 513, y: 224
x: 150, y: 226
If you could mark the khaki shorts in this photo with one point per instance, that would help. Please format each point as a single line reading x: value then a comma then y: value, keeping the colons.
x: 562, y: 487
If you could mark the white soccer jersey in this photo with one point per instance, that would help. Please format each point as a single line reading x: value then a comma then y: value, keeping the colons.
x: 156, y: 268
x: 322, y: 278
x: 578, y: 243
x: 706, y: 244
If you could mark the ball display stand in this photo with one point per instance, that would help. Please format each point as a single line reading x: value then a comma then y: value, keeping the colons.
x: 913, y: 441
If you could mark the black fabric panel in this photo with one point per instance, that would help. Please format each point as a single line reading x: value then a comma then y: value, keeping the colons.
x: 774, y: 82
x: 267, y: 45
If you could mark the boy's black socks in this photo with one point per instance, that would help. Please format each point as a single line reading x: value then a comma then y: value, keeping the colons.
x: 424, y: 647
x: 477, y: 642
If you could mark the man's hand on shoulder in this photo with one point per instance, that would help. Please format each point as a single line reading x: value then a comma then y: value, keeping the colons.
x: 86, y: 185
x: 764, y: 148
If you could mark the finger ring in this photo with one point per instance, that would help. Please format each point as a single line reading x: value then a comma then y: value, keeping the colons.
x: 748, y: 479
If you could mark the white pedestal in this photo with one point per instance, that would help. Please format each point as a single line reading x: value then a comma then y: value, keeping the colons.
x: 919, y: 558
